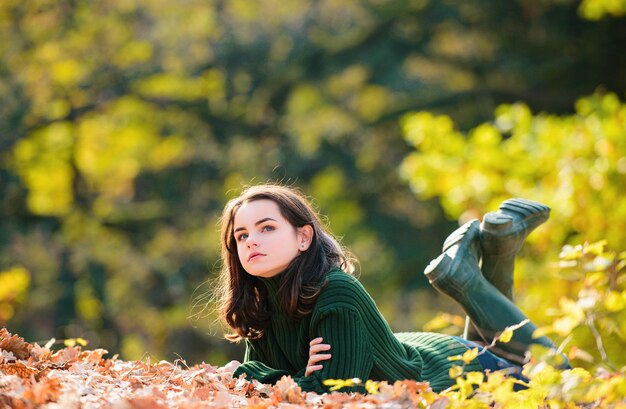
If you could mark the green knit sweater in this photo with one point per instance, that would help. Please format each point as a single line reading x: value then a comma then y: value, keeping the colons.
x: 362, y: 344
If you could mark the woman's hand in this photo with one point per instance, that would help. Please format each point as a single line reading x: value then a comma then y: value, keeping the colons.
x: 229, y: 368
x: 316, y: 347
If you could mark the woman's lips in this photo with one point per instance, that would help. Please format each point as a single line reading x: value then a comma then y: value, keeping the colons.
x: 255, y: 256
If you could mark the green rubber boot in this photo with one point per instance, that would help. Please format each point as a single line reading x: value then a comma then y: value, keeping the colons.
x: 456, y: 273
x: 502, y: 234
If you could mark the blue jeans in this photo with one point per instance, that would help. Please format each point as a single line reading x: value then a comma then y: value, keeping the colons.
x: 492, y: 362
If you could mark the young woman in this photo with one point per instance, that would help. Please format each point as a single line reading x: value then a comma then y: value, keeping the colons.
x: 287, y: 290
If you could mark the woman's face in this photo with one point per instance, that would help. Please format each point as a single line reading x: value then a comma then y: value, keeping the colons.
x: 266, y: 241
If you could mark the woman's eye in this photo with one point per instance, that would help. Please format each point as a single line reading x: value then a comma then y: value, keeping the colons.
x: 242, y: 236
x: 267, y: 228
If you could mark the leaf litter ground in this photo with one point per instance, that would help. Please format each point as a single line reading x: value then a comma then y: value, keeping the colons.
x: 32, y: 376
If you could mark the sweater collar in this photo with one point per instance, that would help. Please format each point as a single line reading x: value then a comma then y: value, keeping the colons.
x: 272, y: 285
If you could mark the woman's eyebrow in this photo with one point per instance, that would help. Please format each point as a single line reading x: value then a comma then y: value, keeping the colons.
x: 256, y: 224
x: 264, y: 220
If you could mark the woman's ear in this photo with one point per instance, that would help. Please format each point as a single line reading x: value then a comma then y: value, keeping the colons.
x: 305, y: 236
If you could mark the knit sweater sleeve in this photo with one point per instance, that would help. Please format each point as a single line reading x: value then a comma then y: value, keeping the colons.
x: 342, y: 328
x: 254, y: 367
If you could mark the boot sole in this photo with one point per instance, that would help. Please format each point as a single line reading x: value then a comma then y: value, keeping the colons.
x: 460, y: 233
x: 503, y: 223
x: 444, y: 265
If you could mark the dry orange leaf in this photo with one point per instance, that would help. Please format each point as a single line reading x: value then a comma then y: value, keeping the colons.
x: 14, y: 344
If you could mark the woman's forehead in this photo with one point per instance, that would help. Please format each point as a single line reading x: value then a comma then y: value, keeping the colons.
x: 252, y: 212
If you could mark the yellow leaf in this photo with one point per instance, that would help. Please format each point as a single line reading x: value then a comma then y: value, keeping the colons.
x: 470, y: 355
x: 475, y: 378
x: 506, y: 335
x: 455, y: 371
x: 615, y: 301
x: 72, y: 342
x: 564, y: 326
x: 569, y: 252
x: 372, y: 387
x: 337, y: 384
x: 596, y: 248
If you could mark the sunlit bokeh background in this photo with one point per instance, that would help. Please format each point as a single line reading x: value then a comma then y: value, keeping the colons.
x: 125, y: 126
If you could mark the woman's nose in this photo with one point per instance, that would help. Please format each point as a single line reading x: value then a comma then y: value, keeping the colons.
x: 251, y: 241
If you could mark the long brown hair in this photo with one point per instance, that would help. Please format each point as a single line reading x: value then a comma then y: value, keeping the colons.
x: 243, y: 298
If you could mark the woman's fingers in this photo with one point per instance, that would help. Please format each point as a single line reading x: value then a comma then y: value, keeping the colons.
x: 311, y: 369
x: 313, y: 365
x: 316, y: 347
x: 229, y: 367
x: 317, y: 340
x: 314, y: 359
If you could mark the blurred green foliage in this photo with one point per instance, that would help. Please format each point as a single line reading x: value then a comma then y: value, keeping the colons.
x: 574, y: 163
x: 591, y: 317
x: 126, y: 125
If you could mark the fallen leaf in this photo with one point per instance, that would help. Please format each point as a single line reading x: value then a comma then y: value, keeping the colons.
x: 14, y: 344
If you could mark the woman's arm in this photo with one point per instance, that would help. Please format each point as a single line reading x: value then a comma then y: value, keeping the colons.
x: 255, y: 368
x: 343, y: 329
